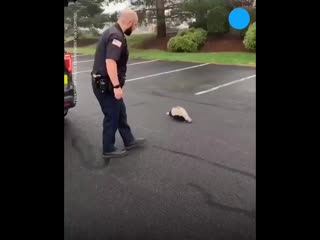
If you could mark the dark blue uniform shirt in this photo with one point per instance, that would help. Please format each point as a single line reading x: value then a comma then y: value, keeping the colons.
x: 112, y: 45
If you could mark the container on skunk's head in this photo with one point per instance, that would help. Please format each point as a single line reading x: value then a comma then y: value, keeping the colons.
x: 180, y: 114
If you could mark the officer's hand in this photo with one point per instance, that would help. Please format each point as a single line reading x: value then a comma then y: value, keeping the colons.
x: 118, y: 93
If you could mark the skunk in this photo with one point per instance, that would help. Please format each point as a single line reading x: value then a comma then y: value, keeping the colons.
x: 180, y: 114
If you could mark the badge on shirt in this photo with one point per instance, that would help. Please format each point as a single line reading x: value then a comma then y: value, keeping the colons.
x: 116, y: 42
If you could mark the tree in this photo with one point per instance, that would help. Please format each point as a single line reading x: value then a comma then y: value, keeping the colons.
x: 218, y: 20
x: 161, y: 19
x: 153, y: 9
x: 241, y: 3
x: 199, y: 9
x: 156, y: 9
x: 113, y: 17
x: 66, y: 2
x: 89, y: 14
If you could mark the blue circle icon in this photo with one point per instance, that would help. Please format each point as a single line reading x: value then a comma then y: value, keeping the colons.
x: 239, y: 18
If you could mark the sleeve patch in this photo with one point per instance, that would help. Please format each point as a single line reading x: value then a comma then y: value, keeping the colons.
x: 116, y: 42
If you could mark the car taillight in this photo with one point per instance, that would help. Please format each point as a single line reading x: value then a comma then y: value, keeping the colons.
x: 68, y: 61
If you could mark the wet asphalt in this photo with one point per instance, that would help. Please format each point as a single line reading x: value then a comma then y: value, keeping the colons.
x: 190, y: 181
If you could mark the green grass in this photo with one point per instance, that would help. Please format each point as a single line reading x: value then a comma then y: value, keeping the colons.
x: 218, y: 58
x: 135, y: 41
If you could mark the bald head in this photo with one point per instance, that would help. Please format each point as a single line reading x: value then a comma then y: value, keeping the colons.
x: 128, y: 15
x: 128, y: 21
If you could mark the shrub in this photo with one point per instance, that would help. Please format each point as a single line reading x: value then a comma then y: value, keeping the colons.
x: 171, y: 44
x: 218, y: 20
x: 252, y: 13
x: 182, y: 44
x: 200, y: 24
x: 197, y: 36
x: 199, y: 10
x: 250, y: 38
x: 200, y: 37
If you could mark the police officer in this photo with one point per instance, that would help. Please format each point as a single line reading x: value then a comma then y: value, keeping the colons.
x: 108, y: 79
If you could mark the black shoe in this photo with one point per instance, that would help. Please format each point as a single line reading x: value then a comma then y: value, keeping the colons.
x: 136, y: 143
x: 114, y: 154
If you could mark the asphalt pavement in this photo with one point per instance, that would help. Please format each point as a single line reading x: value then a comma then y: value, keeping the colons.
x: 191, y: 181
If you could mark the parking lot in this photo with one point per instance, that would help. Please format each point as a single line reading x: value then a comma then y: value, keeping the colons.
x: 190, y: 181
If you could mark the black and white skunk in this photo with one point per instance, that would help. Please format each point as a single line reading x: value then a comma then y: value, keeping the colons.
x: 180, y: 114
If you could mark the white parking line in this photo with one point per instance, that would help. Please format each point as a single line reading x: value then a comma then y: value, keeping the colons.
x: 81, y: 55
x: 82, y: 72
x: 130, y: 64
x: 84, y: 61
x: 163, y: 73
x: 224, y: 85
x: 137, y: 63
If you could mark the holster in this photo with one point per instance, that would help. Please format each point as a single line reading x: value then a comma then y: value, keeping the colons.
x: 102, y: 83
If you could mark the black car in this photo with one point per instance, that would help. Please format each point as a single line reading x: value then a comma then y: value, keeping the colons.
x: 70, y: 94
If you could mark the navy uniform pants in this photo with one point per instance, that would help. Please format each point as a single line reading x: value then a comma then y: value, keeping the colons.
x: 115, y: 118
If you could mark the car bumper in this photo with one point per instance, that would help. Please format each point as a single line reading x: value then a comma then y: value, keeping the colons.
x: 69, y: 99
